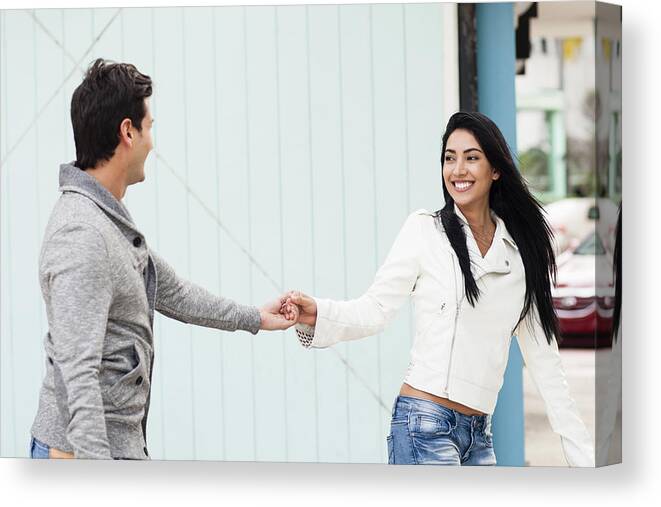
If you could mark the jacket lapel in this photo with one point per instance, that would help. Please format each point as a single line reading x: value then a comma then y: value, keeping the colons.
x: 497, y: 259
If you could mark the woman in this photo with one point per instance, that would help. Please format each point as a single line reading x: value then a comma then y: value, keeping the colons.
x: 479, y: 271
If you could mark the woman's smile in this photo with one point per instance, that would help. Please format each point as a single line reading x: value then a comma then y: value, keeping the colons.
x: 462, y: 185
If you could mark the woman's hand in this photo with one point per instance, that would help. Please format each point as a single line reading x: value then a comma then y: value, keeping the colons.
x: 276, y: 315
x: 307, y: 307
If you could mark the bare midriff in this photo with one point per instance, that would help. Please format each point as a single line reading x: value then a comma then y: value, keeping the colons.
x: 412, y: 392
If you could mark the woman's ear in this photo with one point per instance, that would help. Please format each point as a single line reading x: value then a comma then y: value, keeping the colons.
x: 495, y: 175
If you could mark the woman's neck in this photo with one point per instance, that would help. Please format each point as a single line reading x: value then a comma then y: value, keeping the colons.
x: 479, y: 218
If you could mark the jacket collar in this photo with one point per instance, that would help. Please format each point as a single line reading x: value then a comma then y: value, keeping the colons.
x: 501, y: 230
x: 76, y: 180
x: 497, y: 258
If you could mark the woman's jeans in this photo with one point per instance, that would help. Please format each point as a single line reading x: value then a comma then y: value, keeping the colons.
x: 425, y: 433
x: 38, y: 450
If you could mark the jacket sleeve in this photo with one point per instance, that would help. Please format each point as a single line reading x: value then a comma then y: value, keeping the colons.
x: 75, y: 275
x: 184, y: 301
x: 545, y: 367
x: 608, y: 403
x: 370, y: 313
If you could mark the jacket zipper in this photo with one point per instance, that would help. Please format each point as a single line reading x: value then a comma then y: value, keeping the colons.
x: 456, y: 318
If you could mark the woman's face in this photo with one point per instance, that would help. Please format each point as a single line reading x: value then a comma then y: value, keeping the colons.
x: 467, y: 173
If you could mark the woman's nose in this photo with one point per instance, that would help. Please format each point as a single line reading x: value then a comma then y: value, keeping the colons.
x: 459, y: 168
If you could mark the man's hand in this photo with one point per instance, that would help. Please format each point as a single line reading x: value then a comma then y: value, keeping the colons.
x: 277, y: 315
x: 307, y: 307
x: 57, y: 454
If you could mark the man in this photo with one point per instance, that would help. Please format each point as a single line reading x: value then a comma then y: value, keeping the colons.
x: 101, y: 283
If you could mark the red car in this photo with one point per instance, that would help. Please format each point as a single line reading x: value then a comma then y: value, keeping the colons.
x: 584, y: 295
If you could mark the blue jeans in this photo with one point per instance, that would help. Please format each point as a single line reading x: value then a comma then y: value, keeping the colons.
x: 38, y: 450
x: 425, y: 433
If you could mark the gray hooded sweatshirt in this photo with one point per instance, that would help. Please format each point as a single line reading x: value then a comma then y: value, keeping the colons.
x: 101, y: 284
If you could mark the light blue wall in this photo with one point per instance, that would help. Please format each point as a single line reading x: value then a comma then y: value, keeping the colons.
x: 496, y: 98
x: 290, y: 145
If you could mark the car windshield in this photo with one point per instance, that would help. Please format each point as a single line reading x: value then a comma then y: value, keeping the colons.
x: 591, y: 245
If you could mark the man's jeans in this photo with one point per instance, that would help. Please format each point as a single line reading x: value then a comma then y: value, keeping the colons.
x: 425, y: 433
x: 38, y: 450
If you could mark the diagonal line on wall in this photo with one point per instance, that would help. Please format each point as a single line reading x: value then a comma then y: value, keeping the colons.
x: 52, y: 37
x: 262, y: 270
x: 220, y: 224
x: 57, y: 91
x: 190, y: 191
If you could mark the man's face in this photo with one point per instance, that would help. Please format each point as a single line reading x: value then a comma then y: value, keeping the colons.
x: 142, y: 145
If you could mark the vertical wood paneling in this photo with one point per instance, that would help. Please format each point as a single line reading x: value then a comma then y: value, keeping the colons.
x: 22, y: 225
x: 392, y: 177
x: 298, y: 259
x: 110, y: 45
x: 359, y: 218
x: 425, y: 95
x: 266, y: 236
x: 327, y: 191
x: 8, y: 402
x: 174, y: 233
x: 235, y: 267
x: 298, y: 137
x: 77, y: 39
x: 51, y: 138
x: 202, y: 177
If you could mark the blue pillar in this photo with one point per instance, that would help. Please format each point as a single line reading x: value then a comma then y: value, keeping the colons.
x: 496, y: 99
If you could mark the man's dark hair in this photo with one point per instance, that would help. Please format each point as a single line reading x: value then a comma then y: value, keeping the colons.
x: 109, y: 93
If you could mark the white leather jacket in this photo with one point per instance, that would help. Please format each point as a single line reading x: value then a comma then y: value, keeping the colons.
x: 459, y: 352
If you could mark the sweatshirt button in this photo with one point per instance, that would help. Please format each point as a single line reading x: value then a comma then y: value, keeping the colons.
x: 138, y: 381
x: 137, y: 241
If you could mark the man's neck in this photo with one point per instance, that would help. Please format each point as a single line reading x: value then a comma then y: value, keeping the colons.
x: 111, y: 175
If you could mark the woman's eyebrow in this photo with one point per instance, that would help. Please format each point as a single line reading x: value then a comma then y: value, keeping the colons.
x: 450, y: 150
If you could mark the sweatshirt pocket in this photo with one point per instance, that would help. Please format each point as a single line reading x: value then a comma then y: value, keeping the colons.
x: 132, y: 386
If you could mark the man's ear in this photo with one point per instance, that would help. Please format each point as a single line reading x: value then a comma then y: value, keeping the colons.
x: 125, y: 131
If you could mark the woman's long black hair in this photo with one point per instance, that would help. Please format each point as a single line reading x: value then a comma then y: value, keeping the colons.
x: 523, y: 216
x: 617, y: 274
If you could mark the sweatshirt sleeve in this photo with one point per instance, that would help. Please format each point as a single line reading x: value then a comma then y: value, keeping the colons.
x: 74, y: 270
x: 545, y: 367
x: 184, y: 301
x: 370, y: 313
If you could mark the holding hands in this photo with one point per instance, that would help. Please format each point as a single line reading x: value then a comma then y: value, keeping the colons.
x: 276, y: 315
x: 306, y: 307
x: 291, y: 308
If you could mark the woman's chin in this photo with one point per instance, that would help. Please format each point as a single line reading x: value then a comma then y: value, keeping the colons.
x: 469, y: 198
x: 461, y: 199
